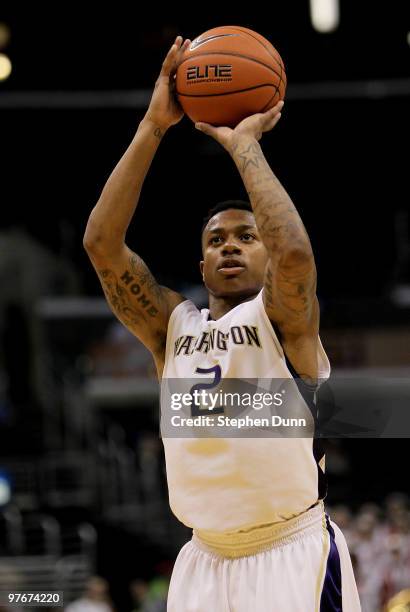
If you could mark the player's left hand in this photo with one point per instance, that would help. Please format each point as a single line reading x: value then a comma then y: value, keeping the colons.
x: 253, y: 127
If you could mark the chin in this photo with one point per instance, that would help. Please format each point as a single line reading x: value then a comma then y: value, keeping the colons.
x: 236, y: 290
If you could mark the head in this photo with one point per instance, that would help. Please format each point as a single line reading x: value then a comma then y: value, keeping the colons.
x: 97, y: 588
x: 396, y: 503
x: 234, y: 257
x: 139, y: 590
x: 365, y: 524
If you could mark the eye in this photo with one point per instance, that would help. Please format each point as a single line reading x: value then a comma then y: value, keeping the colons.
x: 215, y: 239
x: 247, y: 237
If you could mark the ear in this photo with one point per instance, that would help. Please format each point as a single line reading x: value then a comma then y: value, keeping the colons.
x: 201, y: 268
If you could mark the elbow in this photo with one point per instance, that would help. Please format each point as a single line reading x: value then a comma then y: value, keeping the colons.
x: 89, y: 245
x: 97, y: 240
x: 102, y: 237
x: 92, y: 238
x: 99, y: 246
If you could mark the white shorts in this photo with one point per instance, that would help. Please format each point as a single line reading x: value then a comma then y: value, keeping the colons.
x: 301, y: 565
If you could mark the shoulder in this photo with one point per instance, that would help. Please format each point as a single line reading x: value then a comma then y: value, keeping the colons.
x: 184, y: 318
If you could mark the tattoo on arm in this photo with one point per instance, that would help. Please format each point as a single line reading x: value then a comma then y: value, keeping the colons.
x: 290, y: 293
x: 134, y: 296
x: 119, y: 299
x: 295, y: 294
x: 268, y: 288
x: 144, y: 277
x: 297, y: 290
x: 158, y: 133
x: 276, y: 217
x: 250, y: 156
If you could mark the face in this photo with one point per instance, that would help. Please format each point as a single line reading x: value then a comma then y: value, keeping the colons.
x: 97, y: 588
x: 234, y: 255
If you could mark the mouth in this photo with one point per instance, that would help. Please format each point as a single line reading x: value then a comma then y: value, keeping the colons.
x: 231, y: 267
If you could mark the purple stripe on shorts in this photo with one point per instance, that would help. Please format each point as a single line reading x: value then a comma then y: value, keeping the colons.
x: 331, y: 599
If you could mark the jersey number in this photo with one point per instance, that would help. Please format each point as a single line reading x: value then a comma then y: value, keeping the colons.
x: 216, y: 371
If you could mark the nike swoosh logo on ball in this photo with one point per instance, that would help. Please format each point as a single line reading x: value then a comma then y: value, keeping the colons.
x: 201, y: 41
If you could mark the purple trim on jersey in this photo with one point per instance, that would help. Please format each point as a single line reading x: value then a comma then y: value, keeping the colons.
x: 331, y: 599
x: 308, y: 394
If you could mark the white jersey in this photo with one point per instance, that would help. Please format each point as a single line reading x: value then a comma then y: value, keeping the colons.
x: 229, y: 484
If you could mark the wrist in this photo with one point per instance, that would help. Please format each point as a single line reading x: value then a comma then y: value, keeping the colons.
x: 243, y: 137
x: 157, y: 128
x: 239, y: 141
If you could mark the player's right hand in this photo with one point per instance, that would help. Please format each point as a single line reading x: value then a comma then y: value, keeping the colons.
x: 164, y: 109
x: 250, y: 127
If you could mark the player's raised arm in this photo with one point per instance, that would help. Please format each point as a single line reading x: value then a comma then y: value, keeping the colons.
x: 290, y: 280
x: 132, y: 292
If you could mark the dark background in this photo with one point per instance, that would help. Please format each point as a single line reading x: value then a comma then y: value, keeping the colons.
x: 342, y: 160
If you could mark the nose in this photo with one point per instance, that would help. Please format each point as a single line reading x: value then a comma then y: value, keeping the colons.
x: 231, y: 247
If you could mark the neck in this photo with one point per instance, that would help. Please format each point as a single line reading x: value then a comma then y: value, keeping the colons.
x: 219, y: 306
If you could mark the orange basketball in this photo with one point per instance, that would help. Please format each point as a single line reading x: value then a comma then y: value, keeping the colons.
x: 227, y: 74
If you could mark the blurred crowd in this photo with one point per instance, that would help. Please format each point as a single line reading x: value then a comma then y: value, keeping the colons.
x: 96, y: 597
x: 379, y: 543
x: 144, y: 595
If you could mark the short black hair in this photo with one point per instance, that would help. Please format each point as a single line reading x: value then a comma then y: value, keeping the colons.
x: 225, y: 205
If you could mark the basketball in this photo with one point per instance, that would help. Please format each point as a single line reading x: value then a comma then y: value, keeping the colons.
x: 227, y: 74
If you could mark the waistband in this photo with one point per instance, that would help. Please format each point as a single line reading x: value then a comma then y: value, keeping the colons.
x: 261, y: 538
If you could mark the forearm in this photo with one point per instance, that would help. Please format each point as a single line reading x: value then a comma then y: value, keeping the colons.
x: 277, y: 219
x: 110, y: 218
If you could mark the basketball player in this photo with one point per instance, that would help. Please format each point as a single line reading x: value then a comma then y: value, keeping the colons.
x: 261, y: 541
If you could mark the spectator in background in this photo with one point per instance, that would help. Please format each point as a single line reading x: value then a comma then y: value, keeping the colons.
x: 152, y: 596
x: 381, y: 551
x: 149, y: 596
x: 396, y: 571
x: 368, y: 548
x: 397, y: 513
x: 342, y: 515
x: 95, y: 599
x: 396, y: 568
x: 139, y: 594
